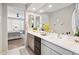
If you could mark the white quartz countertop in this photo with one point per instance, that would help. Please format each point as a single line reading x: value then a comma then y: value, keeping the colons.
x: 64, y: 42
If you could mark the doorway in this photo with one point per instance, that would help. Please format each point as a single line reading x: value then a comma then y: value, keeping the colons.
x: 15, y: 27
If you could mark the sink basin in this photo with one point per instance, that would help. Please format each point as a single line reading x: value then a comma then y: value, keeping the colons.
x: 69, y: 38
x: 74, y: 39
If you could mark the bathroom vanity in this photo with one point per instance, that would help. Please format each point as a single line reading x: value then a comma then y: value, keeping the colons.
x: 51, y: 45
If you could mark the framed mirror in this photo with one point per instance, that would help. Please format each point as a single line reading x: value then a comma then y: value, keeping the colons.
x: 31, y: 21
x: 37, y: 22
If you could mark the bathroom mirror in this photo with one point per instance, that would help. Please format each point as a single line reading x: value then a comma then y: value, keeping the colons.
x: 34, y: 21
x: 31, y: 21
x: 75, y: 22
x: 37, y: 22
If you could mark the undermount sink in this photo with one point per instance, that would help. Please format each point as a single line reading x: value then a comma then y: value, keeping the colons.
x: 68, y: 38
x: 74, y: 39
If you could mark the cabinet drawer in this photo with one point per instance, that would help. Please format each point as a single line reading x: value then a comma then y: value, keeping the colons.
x: 45, y: 50
x: 61, y: 50
x: 58, y: 49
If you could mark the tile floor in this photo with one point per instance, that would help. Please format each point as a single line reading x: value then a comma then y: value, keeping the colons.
x: 20, y: 51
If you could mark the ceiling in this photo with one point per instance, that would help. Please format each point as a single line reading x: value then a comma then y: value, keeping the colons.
x: 39, y: 7
x: 20, y: 6
x: 43, y: 7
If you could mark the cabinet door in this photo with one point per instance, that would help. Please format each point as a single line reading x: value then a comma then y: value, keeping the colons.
x: 53, y: 52
x: 30, y: 41
x: 74, y: 53
x: 45, y: 50
x: 56, y: 48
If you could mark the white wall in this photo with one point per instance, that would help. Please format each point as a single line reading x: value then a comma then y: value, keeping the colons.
x: 61, y: 20
x: 4, y: 28
x: 45, y: 18
x: 0, y: 27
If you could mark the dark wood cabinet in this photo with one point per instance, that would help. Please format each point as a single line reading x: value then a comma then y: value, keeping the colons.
x: 37, y: 45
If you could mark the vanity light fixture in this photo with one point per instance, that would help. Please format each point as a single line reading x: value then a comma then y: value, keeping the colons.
x: 49, y: 6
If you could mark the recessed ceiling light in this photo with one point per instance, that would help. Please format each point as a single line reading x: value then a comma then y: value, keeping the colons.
x: 50, y: 6
x: 41, y: 11
x: 34, y: 8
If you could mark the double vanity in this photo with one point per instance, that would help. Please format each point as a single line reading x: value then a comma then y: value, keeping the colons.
x: 52, y: 44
